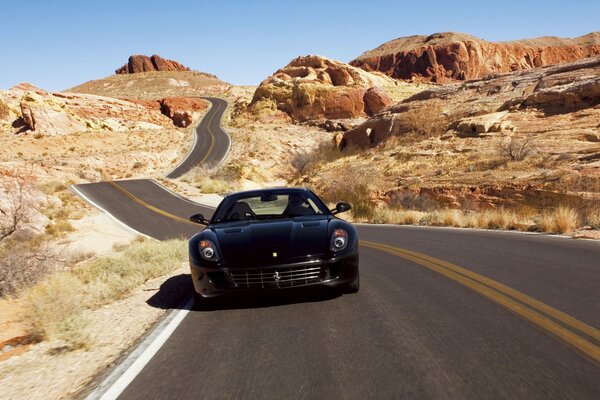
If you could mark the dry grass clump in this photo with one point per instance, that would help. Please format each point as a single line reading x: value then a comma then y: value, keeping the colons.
x: 352, y: 185
x: 563, y: 219
x: 220, y: 180
x: 486, y: 219
x: 55, y: 306
x: 397, y: 216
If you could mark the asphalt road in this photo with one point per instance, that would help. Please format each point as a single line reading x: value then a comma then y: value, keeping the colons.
x: 442, y: 313
x: 211, y: 143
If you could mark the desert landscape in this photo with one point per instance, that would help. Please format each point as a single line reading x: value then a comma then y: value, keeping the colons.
x: 438, y: 130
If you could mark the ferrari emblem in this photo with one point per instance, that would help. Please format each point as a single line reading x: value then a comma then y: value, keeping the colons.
x: 277, y: 278
x: 274, y: 254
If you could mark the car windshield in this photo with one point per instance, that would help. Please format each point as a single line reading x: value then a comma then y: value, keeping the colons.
x: 268, y: 205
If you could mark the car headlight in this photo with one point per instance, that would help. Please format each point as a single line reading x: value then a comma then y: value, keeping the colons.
x: 208, y: 251
x: 339, y: 240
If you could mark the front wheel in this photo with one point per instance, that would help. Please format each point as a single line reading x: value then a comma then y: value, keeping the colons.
x: 354, y: 286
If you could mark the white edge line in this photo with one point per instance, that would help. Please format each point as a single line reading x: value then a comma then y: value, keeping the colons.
x: 87, y: 199
x: 126, y: 372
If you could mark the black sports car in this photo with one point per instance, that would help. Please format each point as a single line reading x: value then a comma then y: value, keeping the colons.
x: 271, y: 239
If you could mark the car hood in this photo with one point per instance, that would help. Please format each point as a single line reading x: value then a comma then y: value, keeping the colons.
x: 263, y: 243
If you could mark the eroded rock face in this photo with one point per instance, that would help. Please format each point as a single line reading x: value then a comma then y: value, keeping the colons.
x: 315, y: 87
x: 44, y: 113
x: 488, y: 106
x: 142, y: 63
x: 446, y: 57
x: 182, y: 110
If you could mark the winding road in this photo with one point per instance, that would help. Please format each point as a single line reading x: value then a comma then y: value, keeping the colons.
x: 442, y: 313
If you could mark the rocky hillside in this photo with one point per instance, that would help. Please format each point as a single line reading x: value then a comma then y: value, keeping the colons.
x: 28, y: 109
x: 527, y: 137
x: 154, y: 85
x: 449, y: 56
x: 314, y: 87
x: 141, y: 63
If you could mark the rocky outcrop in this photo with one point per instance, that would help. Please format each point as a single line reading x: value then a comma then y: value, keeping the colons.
x: 141, y: 63
x: 490, y: 106
x: 34, y: 110
x: 315, y: 87
x: 446, y: 57
x: 182, y: 110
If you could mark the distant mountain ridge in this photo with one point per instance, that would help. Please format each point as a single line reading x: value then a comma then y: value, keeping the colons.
x: 451, y: 56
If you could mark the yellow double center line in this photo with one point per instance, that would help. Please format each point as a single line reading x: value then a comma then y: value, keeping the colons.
x: 150, y: 206
x: 528, y: 308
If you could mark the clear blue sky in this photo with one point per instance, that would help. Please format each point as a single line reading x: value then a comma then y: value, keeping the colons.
x: 59, y: 44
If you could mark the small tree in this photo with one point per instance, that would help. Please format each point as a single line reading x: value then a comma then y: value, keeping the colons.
x: 516, y: 149
x: 14, y: 204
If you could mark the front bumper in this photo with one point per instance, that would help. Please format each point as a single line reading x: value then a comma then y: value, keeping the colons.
x: 336, y: 272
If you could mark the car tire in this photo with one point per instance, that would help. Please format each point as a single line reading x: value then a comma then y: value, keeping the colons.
x: 354, y: 286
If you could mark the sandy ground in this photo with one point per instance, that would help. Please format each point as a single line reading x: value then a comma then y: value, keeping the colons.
x: 47, y: 371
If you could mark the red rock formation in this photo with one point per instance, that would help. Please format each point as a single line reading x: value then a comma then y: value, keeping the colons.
x: 376, y: 99
x: 141, y: 63
x: 315, y: 87
x: 181, y: 109
x: 444, y: 57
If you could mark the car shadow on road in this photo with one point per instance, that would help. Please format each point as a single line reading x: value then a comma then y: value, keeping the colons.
x: 266, y: 299
x: 174, y: 292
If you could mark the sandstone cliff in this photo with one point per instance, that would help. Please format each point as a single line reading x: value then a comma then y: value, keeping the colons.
x: 448, y: 56
x: 487, y: 106
x: 141, y: 63
x: 315, y: 87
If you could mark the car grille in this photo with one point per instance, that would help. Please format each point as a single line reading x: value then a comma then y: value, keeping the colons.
x: 276, y: 277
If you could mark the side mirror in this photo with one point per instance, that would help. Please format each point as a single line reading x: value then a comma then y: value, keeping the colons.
x: 199, y: 219
x: 341, y: 207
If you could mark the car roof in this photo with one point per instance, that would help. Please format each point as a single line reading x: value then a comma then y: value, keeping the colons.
x: 273, y: 190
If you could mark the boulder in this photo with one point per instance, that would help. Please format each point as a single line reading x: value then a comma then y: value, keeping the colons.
x: 376, y: 99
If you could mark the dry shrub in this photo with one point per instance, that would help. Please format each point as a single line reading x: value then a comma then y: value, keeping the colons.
x: 450, y: 217
x: 23, y: 263
x: 397, y: 216
x: 55, y: 306
x: 53, y: 309
x: 561, y: 220
x: 219, y: 180
x: 307, y: 162
x: 516, y: 149
x: 351, y: 185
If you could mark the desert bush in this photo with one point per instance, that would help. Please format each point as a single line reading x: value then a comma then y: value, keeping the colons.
x: 516, y: 149
x: 351, y: 185
x: 15, y: 204
x: 306, y: 162
x: 397, y: 216
x: 560, y: 220
x: 55, y: 306
x: 23, y: 263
